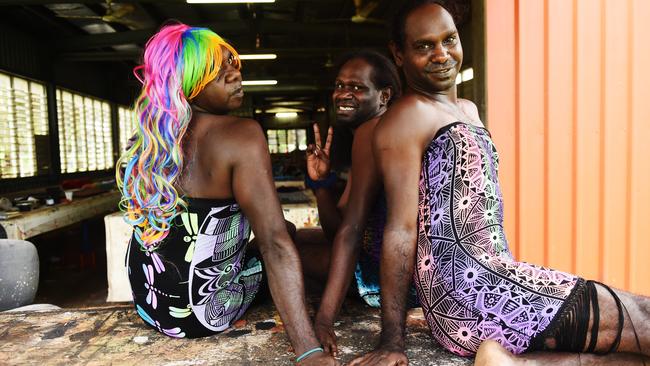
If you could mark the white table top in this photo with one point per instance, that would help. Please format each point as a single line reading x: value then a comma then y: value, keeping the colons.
x: 48, y: 218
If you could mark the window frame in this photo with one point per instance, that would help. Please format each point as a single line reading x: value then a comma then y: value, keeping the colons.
x: 12, y: 186
x: 274, y: 147
x: 111, y: 128
x: 33, y: 124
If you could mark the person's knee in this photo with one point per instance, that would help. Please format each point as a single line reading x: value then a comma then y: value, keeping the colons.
x: 310, y: 237
x: 314, y: 251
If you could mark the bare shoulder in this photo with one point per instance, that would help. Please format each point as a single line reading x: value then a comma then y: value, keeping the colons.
x: 248, y: 138
x: 246, y: 128
x: 470, y: 109
x: 362, y: 142
x: 242, y: 133
x: 365, y: 130
x: 231, y: 137
x: 409, y: 119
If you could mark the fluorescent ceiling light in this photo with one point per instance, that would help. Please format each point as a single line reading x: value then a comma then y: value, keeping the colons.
x: 258, y: 82
x: 228, y: 1
x: 260, y: 56
x: 459, y: 79
x: 286, y: 115
x: 288, y: 103
x: 281, y: 110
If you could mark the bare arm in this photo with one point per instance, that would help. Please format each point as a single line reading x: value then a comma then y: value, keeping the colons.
x: 255, y: 192
x: 318, y: 168
x: 398, y: 147
x: 331, y: 213
x: 399, y: 159
x: 365, y: 185
x: 328, y: 213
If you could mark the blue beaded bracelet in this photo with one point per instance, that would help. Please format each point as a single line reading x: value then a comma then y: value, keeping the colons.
x: 323, y: 183
x: 306, y: 354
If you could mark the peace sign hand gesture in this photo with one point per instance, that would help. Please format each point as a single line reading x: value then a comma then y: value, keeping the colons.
x: 318, y: 157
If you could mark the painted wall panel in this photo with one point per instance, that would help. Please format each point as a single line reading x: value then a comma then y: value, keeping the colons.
x: 567, y: 104
x: 559, y: 136
x: 588, y: 108
x: 531, y: 133
x: 501, y: 83
x: 639, y: 146
x: 614, y: 172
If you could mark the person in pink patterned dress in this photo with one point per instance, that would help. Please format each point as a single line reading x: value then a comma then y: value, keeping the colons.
x: 439, y: 168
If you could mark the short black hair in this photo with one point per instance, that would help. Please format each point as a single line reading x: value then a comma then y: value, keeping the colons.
x: 384, y: 71
x: 399, y: 22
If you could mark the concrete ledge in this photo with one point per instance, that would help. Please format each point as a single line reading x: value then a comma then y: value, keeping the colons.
x: 116, y: 335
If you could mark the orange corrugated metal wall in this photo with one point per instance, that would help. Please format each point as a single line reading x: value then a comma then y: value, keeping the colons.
x: 568, y: 105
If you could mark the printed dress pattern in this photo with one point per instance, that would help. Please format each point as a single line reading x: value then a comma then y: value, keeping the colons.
x: 468, y: 283
x: 197, y: 282
x: 220, y: 289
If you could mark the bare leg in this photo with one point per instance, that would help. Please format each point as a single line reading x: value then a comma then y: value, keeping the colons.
x: 315, y: 251
x: 492, y: 353
x: 636, y: 312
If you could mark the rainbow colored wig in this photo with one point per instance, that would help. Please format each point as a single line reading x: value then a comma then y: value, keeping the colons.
x: 179, y: 61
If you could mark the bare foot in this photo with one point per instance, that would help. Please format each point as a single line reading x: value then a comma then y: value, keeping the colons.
x: 491, y: 353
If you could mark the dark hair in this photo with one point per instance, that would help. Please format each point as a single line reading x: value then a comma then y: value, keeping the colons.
x: 384, y: 71
x: 399, y: 22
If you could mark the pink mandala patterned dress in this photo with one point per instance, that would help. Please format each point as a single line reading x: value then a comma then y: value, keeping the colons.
x: 469, y: 285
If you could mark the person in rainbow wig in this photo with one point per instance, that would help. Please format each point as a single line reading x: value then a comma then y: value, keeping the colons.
x: 194, y: 183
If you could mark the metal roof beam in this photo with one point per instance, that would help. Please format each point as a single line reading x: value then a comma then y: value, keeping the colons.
x: 225, y: 28
x: 283, y: 54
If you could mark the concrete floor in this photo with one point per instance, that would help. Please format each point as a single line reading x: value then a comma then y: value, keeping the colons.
x: 89, y: 331
x: 115, y: 335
